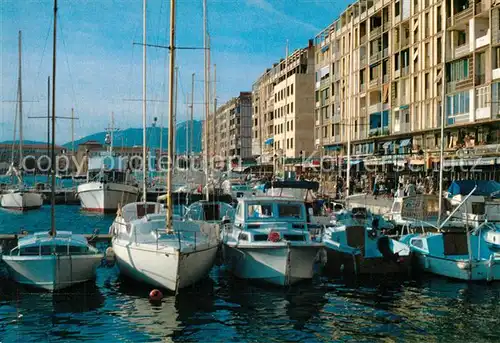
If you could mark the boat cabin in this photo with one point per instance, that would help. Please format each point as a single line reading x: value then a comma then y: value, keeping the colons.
x: 209, y: 211
x: 43, y: 244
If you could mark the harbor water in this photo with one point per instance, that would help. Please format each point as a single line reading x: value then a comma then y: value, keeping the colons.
x: 224, y: 309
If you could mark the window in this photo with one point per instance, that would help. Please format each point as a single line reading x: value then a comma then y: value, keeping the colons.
x: 458, y: 70
x: 291, y: 143
x: 457, y: 104
x: 287, y: 126
x: 325, y: 131
x: 291, y: 125
x: 290, y: 211
x: 260, y: 211
x: 291, y: 89
x: 482, y: 97
x: 397, y: 8
x: 461, y: 38
x: 291, y: 107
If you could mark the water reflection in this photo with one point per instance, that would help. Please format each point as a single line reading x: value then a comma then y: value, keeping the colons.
x: 36, y: 315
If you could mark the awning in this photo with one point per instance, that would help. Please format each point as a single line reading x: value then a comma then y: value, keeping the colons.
x: 386, y: 145
x: 354, y: 162
x: 326, y: 47
x: 269, y: 141
x: 333, y: 147
x: 404, y: 142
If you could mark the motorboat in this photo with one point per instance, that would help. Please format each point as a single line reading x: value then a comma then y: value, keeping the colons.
x: 464, y: 255
x: 358, y: 244
x: 108, y: 184
x: 270, y: 241
x: 21, y: 200
x: 52, y: 262
x: 148, y: 252
x: 237, y: 188
x: 483, y: 204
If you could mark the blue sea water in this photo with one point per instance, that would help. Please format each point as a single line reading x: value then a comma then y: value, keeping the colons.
x: 224, y: 309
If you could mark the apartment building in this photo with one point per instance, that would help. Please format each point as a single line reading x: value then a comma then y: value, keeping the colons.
x: 380, y: 69
x: 230, y: 129
x: 283, y: 108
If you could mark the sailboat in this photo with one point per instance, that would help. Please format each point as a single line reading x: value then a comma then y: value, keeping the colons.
x: 18, y: 198
x: 53, y: 260
x: 150, y: 248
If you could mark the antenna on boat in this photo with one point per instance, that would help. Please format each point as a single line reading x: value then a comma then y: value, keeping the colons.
x: 52, y: 148
x: 171, y: 117
x: 207, y: 96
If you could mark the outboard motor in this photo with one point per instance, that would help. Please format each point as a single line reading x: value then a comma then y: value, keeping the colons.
x: 384, y: 246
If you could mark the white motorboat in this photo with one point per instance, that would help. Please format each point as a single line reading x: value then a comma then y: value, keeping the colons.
x: 52, y: 262
x: 107, y: 185
x: 237, y: 188
x: 146, y: 251
x: 270, y: 241
x: 21, y: 200
x: 357, y: 244
x: 483, y: 204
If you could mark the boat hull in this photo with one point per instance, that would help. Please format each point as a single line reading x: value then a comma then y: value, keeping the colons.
x: 482, y: 270
x: 21, y: 201
x: 171, y: 271
x: 281, y: 265
x: 105, y: 197
x: 338, y: 262
x: 52, y: 272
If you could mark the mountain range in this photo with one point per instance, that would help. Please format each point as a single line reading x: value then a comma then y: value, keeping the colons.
x: 133, y: 137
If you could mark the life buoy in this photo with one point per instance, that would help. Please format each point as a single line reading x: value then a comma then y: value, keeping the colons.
x: 274, y: 236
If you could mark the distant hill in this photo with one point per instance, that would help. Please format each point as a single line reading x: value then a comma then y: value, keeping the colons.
x: 133, y: 137
x: 24, y: 142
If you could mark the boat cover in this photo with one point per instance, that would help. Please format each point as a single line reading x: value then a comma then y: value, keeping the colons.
x: 484, y: 188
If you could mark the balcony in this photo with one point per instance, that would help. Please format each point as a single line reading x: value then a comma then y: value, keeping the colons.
x: 375, y: 57
x: 387, y: 24
x: 375, y: 32
x: 495, y: 74
x: 378, y: 132
x: 403, y: 100
x: 362, y: 87
x: 405, y: 71
x: 324, y: 82
x: 386, y: 78
x: 386, y: 52
x: 397, y: 73
x: 336, y: 118
x: 483, y: 6
x: 375, y: 108
x: 375, y: 82
x: 405, y: 41
x: 454, y: 86
x: 483, y: 40
x: 362, y: 40
x: 464, y: 14
x: 462, y: 50
x: 362, y: 61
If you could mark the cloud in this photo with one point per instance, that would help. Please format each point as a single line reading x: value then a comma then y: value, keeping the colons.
x: 269, y: 8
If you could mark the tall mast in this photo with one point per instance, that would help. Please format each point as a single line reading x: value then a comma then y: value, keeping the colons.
x: 20, y: 98
x: 171, y: 117
x: 191, y: 119
x: 207, y: 98
x: 144, y: 176
x: 112, y: 130
x: 349, y: 103
x: 215, y: 107
x: 73, y: 132
x: 48, y: 122
x: 53, y: 152
x: 176, y: 108
x: 443, y: 113
x: 187, y: 139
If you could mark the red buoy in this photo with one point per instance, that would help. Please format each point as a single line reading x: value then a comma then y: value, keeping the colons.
x: 155, y: 295
x: 274, y: 236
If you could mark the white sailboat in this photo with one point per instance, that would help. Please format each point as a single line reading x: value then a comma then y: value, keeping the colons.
x: 53, y: 260
x: 149, y: 247
x: 18, y: 198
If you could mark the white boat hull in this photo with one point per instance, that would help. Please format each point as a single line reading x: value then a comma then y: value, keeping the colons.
x: 105, y: 197
x: 485, y: 270
x: 281, y: 265
x: 21, y: 201
x: 172, y: 271
x: 52, y: 272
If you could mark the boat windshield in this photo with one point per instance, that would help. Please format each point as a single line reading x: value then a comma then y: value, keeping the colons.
x: 260, y: 211
x: 290, y: 211
x: 45, y: 250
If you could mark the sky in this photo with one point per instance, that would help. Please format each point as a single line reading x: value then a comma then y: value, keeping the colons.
x: 99, y: 68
